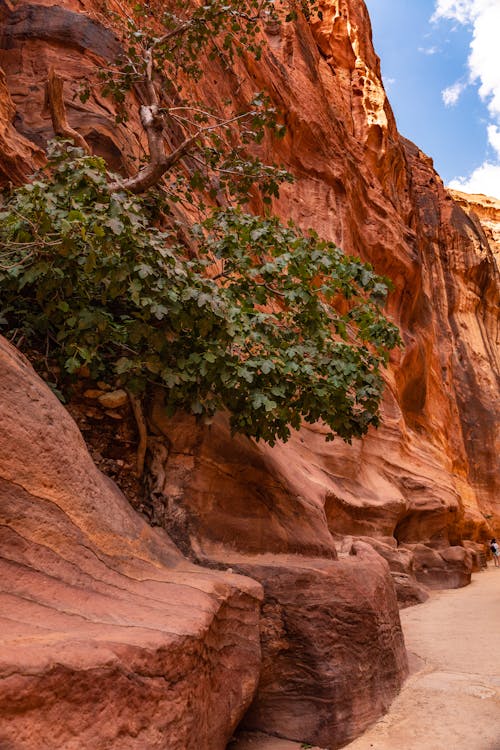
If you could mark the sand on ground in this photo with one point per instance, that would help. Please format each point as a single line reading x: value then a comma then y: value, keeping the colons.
x: 451, y: 701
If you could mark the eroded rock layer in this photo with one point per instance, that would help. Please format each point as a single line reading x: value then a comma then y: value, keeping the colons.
x: 108, y: 637
x: 333, y: 653
x: 358, y: 183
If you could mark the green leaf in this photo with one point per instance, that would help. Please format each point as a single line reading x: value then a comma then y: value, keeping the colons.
x: 106, y: 284
x: 123, y: 365
x: 115, y: 225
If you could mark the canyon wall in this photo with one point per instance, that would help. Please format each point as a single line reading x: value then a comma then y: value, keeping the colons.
x: 109, y: 638
x: 310, y: 520
x: 359, y: 183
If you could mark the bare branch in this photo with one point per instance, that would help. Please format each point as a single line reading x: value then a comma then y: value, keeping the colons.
x: 221, y: 275
x: 58, y: 111
x: 153, y: 123
x: 188, y: 108
x: 150, y: 87
x: 174, y: 32
x: 141, y: 429
x: 185, y: 25
x: 18, y: 264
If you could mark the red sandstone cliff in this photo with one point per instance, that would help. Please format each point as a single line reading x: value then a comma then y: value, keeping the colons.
x: 430, y: 473
x: 359, y: 183
x: 108, y: 637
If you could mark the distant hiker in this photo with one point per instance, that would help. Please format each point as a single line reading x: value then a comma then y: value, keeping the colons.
x: 495, y: 551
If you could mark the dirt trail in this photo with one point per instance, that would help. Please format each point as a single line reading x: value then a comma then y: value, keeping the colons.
x: 452, y: 699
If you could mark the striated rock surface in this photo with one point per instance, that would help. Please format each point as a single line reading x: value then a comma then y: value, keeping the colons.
x: 434, y: 464
x: 18, y: 155
x: 483, y: 210
x: 333, y: 652
x: 108, y: 637
x: 448, y: 568
x: 333, y: 656
x: 401, y: 564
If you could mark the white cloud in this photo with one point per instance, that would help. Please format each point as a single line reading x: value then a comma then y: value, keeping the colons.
x: 494, y: 137
x: 463, y: 11
x: 485, y: 179
x: 484, y: 60
x: 483, y: 17
x: 451, y: 94
x: 428, y: 50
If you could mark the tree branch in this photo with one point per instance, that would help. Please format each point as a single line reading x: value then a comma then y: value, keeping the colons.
x: 58, y: 111
x: 153, y: 123
x: 141, y: 429
x: 184, y: 26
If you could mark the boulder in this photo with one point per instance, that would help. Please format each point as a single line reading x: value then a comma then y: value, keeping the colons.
x: 113, y: 399
x: 400, y: 561
x: 108, y: 637
x: 448, y: 568
x: 479, y: 552
x: 333, y: 650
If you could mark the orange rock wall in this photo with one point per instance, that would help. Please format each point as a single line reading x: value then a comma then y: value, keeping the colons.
x: 431, y: 471
x: 108, y: 637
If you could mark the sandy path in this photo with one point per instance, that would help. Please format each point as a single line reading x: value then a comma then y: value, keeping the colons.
x: 452, y: 699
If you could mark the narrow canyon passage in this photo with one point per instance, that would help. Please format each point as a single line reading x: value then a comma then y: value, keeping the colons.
x: 452, y: 698
x: 451, y: 701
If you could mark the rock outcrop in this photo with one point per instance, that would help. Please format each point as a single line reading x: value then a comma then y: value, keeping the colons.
x: 108, y: 637
x: 485, y: 212
x: 333, y: 654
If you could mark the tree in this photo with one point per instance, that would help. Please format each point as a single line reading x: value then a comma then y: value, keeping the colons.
x: 162, y: 59
x: 245, y: 314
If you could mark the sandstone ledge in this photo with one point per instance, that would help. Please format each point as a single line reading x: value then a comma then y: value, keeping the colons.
x: 108, y: 637
x: 333, y: 653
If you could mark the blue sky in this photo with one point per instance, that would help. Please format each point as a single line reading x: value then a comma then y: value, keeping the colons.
x: 441, y: 69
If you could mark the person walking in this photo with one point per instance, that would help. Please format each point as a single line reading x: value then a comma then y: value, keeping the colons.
x: 495, y: 551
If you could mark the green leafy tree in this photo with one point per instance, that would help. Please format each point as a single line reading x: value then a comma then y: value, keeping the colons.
x: 245, y: 314
x: 87, y: 276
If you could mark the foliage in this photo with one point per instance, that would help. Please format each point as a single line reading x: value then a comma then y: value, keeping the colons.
x: 177, y: 38
x: 90, y: 279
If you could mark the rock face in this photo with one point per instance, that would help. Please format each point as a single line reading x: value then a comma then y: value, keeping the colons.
x: 402, y: 567
x: 108, y: 637
x: 447, y: 568
x: 434, y: 464
x: 419, y: 486
x: 18, y: 154
x: 484, y: 211
x: 333, y: 653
